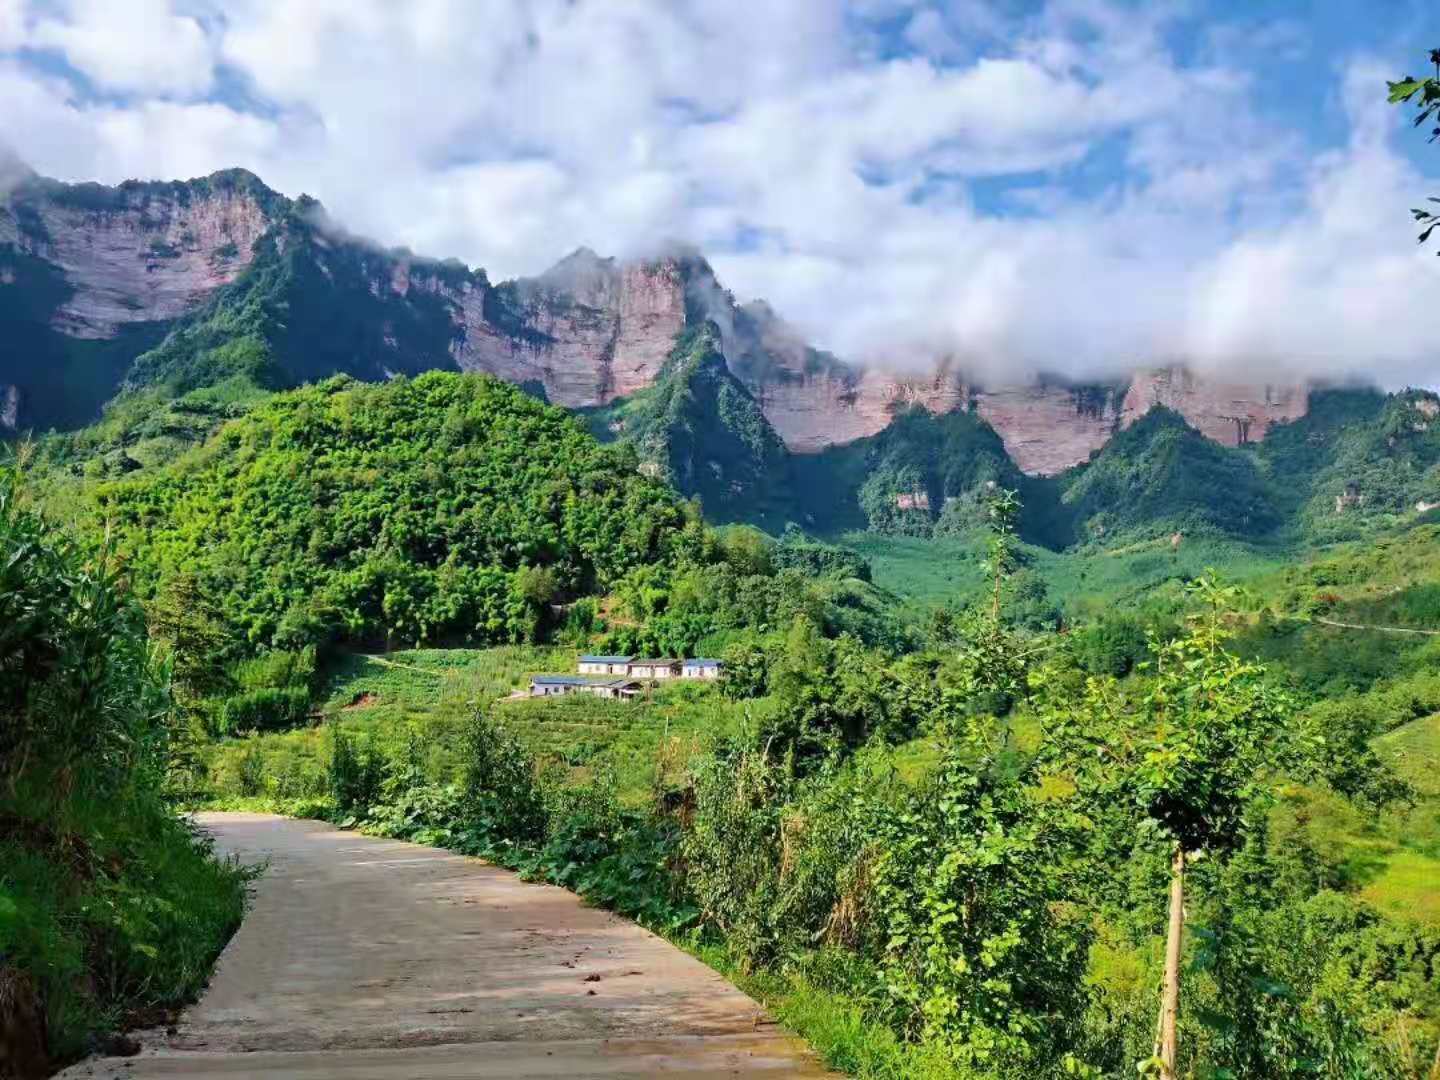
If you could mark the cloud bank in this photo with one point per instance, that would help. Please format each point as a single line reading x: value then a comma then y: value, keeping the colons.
x: 1075, y: 187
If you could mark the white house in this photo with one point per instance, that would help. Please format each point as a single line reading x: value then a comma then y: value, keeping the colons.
x: 654, y: 669
x: 604, y: 665
x: 701, y: 668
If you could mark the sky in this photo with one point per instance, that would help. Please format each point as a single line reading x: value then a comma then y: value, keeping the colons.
x: 1068, y: 186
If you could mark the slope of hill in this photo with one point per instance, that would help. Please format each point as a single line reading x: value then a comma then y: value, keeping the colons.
x: 244, y: 280
x: 924, y: 473
x: 93, y: 276
x: 440, y: 508
x: 699, y: 428
x: 1160, y: 475
x: 1360, y: 460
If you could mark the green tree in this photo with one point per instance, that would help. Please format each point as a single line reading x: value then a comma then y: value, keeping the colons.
x: 1196, y: 758
x: 1425, y: 95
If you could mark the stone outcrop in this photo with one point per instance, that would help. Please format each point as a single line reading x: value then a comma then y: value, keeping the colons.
x: 588, y: 330
x: 1229, y: 412
x: 139, y: 252
x: 1048, y: 426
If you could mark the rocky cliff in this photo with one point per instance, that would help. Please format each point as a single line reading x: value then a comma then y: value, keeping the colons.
x: 139, y: 252
x: 1229, y: 412
x: 588, y: 330
x: 91, y: 278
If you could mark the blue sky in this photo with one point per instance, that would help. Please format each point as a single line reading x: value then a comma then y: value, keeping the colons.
x: 1073, y: 185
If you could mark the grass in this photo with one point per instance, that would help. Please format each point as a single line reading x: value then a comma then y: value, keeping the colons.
x: 1086, y: 582
x: 834, y: 1025
x: 113, y: 906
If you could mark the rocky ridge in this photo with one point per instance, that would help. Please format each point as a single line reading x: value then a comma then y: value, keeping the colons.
x: 140, y: 252
x: 587, y: 332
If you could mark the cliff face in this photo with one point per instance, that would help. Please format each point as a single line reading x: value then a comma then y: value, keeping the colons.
x: 139, y: 252
x: 1231, y: 413
x: 1047, y: 426
x: 588, y: 330
x: 93, y: 277
x: 591, y: 330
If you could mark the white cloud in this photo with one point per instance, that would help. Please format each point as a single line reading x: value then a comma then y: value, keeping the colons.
x: 12, y: 24
x: 139, y: 46
x: 822, y: 153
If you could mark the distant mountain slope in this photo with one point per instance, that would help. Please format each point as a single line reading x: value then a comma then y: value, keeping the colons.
x: 310, y: 305
x: 924, y: 473
x: 1160, y: 474
x: 92, y: 276
x: 247, y: 282
x: 1358, y: 460
x: 699, y: 427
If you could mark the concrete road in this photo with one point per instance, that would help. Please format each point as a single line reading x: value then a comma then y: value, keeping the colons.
x: 367, y: 958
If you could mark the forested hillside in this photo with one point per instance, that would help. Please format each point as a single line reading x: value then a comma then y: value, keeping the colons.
x: 444, y: 508
x: 699, y: 428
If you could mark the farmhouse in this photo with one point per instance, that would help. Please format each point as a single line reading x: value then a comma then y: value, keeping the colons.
x: 552, y: 685
x: 700, y: 668
x: 605, y: 665
x: 654, y: 669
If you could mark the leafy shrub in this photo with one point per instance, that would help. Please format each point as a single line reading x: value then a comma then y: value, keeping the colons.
x: 108, y: 902
x: 978, y: 955
x: 277, y: 669
x: 266, y: 709
x: 79, y: 698
x: 357, y: 770
x: 503, y: 798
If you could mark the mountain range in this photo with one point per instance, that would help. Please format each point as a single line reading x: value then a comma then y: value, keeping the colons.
x: 161, y: 290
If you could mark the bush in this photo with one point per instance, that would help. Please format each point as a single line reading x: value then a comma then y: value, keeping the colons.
x: 107, y: 901
x: 504, y: 802
x: 268, y: 709
x: 356, y: 773
x: 277, y: 669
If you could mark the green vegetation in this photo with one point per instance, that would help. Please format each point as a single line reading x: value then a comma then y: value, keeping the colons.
x: 922, y: 475
x: 700, y: 429
x: 416, y: 511
x: 913, y: 855
x: 1159, y: 475
x: 305, y: 309
x: 111, y: 909
x: 1358, y: 463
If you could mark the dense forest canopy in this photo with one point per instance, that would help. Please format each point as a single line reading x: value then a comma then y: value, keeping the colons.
x: 447, y: 507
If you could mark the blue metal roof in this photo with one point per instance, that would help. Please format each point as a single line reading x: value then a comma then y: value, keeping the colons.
x: 604, y: 659
x: 704, y: 662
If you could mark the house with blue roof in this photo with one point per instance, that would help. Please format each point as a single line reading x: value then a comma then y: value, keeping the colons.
x: 556, y: 685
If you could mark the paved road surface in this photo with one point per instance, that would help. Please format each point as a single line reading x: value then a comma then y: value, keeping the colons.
x: 366, y: 958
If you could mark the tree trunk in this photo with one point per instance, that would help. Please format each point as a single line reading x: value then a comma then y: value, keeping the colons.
x: 1170, y: 1002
